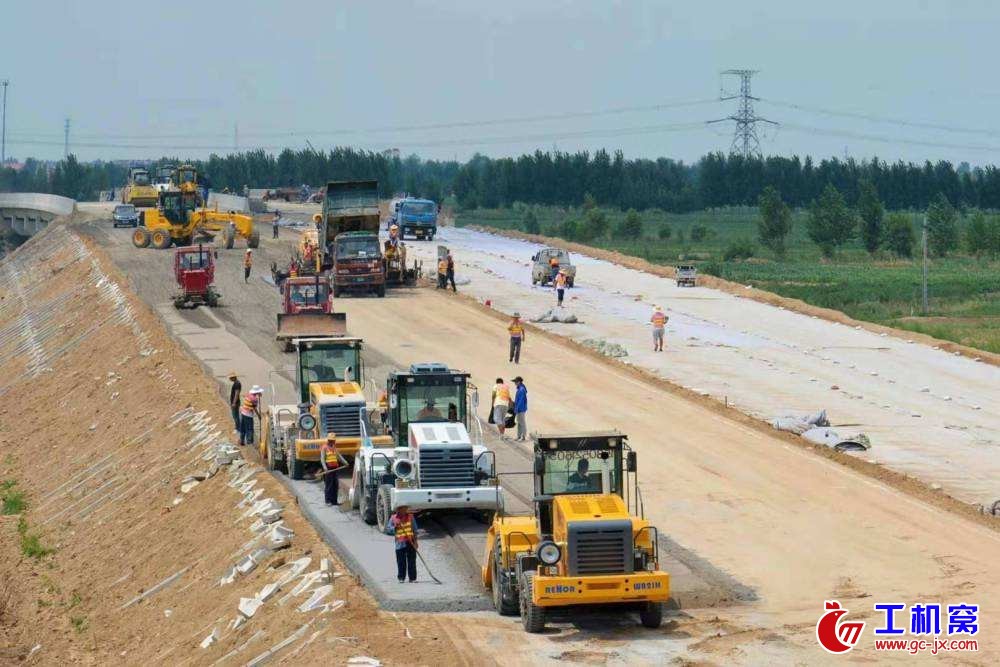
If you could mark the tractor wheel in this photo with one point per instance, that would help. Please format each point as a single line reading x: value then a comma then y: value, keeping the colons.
x: 504, y: 599
x: 366, y: 506
x: 228, y: 236
x: 532, y: 616
x: 254, y: 240
x: 160, y: 239
x: 355, y: 498
x: 140, y: 237
x: 296, y: 468
x: 212, y: 299
x: 383, y: 507
x: 380, y: 291
x: 651, y: 614
x: 179, y: 302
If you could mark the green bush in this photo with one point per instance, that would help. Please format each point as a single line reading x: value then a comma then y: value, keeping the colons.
x: 529, y: 222
x: 698, y: 233
x: 739, y: 249
x: 664, y: 232
x: 630, y: 227
x: 899, y: 235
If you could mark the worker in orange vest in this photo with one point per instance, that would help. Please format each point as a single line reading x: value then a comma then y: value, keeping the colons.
x: 659, y: 322
x: 560, y: 286
x: 403, y: 526
x: 554, y: 267
x: 516, y: 331
x: 247, y: 264
x: 332, y: 462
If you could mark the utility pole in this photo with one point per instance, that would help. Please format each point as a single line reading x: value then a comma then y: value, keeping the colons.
x: 745, y: 139
x: 3, y: 133
x: 236, y: 137
x: 66, y: 139
x: 923, y: 242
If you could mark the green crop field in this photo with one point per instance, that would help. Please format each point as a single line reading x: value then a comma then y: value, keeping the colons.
x: 964, y: 292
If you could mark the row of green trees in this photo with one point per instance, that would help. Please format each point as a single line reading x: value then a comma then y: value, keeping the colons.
x: 561, y: 179
x: 832, y: 222
x: 716, y: 180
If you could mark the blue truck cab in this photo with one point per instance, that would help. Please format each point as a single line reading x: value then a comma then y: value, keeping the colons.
x: 416, y: 218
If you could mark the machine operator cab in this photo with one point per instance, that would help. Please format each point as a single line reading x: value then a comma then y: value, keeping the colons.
x: 327, y: 360
x: 428, y: 393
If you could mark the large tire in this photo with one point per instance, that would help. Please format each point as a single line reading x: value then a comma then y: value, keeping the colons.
x: 212, y: 299
x: 140, y: 237
x: 380, y: 291
x: 569, y: 283
x: 532, y: 616
x: 228, y: 236
x: 383, y: 507
x: 651, y: 614
x: 355, y: 494
x: 160, y: 239
x: 366, y: 506
x: 254, y: 240
x: 504, y: 601
x: 296, y: 467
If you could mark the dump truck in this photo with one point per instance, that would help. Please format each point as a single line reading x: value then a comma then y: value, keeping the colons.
x: 139, y: 191
x: 586, y: 542
x: 178, y: 220
x: 194, y: 271
x: 415, y: 217
x: 328, y: 376
x: 307, y: 311
x: 165, y: 178
x: 430, y: 460
x: 686, y: 275
x: 347, y: 238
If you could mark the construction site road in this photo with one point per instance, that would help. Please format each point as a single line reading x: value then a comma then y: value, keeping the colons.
x: 453, y: 543
x: 928, y: 413
x: 794, y: 527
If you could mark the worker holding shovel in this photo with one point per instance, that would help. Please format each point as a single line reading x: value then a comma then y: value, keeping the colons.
x: 332, y: 462
x: 403, y: 526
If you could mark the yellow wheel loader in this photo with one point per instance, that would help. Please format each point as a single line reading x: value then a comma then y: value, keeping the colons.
x: 586, y: 542
x: 178, y: 219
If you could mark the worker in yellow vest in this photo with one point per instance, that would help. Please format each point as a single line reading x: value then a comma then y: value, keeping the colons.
x: 332, y: 462
x: 247, y: 265
x: 442, y: 273
x: 516, y: 331
x: 403, y: 526
x: 659, y: 322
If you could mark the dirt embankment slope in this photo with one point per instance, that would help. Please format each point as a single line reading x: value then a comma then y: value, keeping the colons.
x: 770, y: 298
x: 104, y: 558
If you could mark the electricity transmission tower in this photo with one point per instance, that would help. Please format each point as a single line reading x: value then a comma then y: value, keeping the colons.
x: 745, y: 139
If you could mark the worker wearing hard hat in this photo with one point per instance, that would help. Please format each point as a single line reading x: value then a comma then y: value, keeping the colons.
x: 332, y: 462
x: 247, y: 264
x: 403, y: 526
x: 553, y: 267
x: 659, y: 322
x: 249, y: 408
x: 560, y: 284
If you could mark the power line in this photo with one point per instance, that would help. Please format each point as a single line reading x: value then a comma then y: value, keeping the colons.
x: 540, y: 137
x: 849, y: 134
x: 559, y: 116
x: 882, y: 119
x: 745, y: 139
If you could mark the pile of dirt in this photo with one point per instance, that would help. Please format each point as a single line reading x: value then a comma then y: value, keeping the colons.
x: 118, y: 556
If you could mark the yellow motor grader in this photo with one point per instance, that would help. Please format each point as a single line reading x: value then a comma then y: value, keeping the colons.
x: 178, y: 220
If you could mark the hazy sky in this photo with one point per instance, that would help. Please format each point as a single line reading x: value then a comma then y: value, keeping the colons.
x: 151, y: 78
